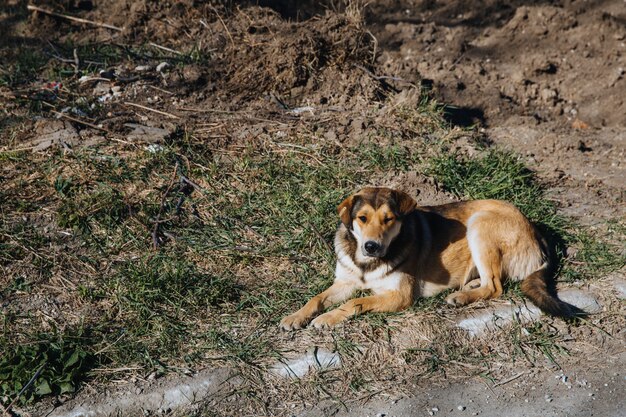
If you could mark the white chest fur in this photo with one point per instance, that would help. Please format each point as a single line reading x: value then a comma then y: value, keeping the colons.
x: 378, y: 280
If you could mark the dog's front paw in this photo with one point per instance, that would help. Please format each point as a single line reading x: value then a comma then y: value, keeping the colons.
x: 294, y: 321
x: 327, y: 320
x: 458, y: 299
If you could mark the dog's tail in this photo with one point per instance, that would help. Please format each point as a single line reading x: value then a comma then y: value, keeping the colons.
x: 540, y: 288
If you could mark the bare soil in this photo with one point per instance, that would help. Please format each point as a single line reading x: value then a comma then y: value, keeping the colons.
x: 543, y: 78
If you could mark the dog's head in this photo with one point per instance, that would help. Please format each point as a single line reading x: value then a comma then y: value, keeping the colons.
x: 374, y: 215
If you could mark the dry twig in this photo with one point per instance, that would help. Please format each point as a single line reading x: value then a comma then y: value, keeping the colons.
x: 506, y: 381
x: 232, y: 42
x: 165, y: 49
x: 173, y: 116
x: 91, y: 125
x: 7, y: 409
x: 72, y: 18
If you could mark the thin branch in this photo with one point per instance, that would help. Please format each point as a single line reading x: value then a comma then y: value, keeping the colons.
x: 223, y: 24
x: 91, y: 125
x: 173, y: 116
x: 165, y: 49
x: 7, y: 409
x: 72, y: 18
x: 506, y: 381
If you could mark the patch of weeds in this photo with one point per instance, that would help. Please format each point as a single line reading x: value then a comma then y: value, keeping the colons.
x: 357, y: 383
x: 171, y: 281
x: 431, y: 303
x: 23, y: 67
x: 497, y: 175
x: 427, y: 117
x: 385, y: 158
x: 244, y: 349
x: 537, y: 337
x: 19, y: 239
x: 513, y: 289
x: 447, y: 350
x: 597, y: 255
x: 18, y: 284
x: 103, y: 205
x: 57, y: 362
x: 347, y: 348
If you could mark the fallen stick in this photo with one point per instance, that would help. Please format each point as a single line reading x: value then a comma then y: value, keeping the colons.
x: 506, y: 381
x: 7, y: 409
x: 72, y: 18
x: 91, y: 125
x: 165, y: 49
x: 173, y: 116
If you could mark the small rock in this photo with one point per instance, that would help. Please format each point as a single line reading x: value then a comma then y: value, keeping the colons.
x: 101, y: 88
x: 54, y: 133
x: 163, y: 66
x: 549, y: 95
x: 141, y: 133
x: 461, y: 407
x: 584, y: 300
x: 579, y: 124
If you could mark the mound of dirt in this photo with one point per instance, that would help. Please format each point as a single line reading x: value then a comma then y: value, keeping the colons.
x: 248, y: 57
x: 494, y: 60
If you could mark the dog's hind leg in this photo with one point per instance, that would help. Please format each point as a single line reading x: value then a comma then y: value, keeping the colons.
x: 336, y: 293
x: 487, y: 257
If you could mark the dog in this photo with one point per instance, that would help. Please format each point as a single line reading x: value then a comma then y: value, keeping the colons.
x: 398, y: 251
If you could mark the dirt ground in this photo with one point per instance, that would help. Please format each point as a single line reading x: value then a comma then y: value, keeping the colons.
x: 545, y: 79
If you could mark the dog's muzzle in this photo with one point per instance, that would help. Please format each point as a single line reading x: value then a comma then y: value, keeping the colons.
x: 374, y: 249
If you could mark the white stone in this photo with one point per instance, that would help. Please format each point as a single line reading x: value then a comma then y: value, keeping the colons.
x: 582, y: 299
x: 163, y: 66
x: 477, y: 323
x: 620, y: 287
x: 314, y: 359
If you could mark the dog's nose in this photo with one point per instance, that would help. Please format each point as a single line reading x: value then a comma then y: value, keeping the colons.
x: 371, y: 246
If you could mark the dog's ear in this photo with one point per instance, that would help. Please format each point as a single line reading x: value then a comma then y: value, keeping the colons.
x: 345, y: 211
x: 404, y: 202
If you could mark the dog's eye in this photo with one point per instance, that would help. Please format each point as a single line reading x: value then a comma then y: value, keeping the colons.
x: 388, y: 219
x: 363, y: 218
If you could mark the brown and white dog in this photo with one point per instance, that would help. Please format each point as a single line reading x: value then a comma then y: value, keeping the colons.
x: 385, y: 243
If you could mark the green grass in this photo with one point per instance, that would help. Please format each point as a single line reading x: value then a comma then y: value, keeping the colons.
x: 23, y: 66
x: 497, y: 175
x: 595, y: 254
x: 534, y: 339
x: 250, y: 245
